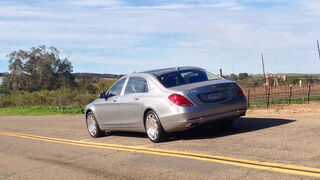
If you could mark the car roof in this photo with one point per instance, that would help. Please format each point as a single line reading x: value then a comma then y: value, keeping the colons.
x: 159, y: 72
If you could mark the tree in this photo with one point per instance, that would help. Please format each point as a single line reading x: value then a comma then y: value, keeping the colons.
x: 86, y: 86
x: 6, y: 85
x: 243, y: 75
x: 102, y: 87
x: 233, y: 77
x: 292, y: 80
x: 39, y: 68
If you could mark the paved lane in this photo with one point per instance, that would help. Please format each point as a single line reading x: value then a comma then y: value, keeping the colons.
x: 285, y: 168
x: 261, y: 136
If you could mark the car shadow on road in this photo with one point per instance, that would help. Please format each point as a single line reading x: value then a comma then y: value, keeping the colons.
x: 242, y: 125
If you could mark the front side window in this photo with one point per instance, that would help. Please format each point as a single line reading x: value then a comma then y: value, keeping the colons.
x: 136, y: 85
x: 116, y: 88
x: 183, y: 77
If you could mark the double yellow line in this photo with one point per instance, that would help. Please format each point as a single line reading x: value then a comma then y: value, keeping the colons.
x: 285, y: 168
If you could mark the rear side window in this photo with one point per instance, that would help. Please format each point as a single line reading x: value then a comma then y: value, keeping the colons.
x: 116, y: 88
x: 136, y: 85
x: 183, y: 77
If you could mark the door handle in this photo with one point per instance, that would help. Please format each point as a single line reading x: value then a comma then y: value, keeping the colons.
x: 114, y: 100
x: 136, y: 98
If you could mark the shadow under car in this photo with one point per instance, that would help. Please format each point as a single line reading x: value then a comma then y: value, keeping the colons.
x: 208, y: 131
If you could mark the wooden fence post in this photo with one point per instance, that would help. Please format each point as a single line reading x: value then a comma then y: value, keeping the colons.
x: 248, y: 96
x: 290, y: 94
x: 309, y: 89
x: 268, y: 97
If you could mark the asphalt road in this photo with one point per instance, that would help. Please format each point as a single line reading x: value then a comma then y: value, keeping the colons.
x: 273, y: 136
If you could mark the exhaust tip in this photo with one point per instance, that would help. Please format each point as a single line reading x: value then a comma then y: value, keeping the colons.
x: 189, y: 125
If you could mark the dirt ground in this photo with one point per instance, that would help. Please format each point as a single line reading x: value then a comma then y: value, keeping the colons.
x: 312, y: 107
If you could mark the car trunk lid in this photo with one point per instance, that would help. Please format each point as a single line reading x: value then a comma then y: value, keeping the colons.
x: 209, y: 92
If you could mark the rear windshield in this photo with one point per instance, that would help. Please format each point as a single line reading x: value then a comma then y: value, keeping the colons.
x: 183, y: 77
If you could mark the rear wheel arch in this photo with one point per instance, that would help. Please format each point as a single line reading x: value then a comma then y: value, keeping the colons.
x: 145, y: 114
x: 155, y: 132
x: 87, y: 111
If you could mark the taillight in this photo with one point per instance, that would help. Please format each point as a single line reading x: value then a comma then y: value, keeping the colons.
x: 180, y: 100
x: 240, y: 92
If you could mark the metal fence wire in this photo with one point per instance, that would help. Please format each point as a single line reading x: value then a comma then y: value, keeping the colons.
x: 263, y: 97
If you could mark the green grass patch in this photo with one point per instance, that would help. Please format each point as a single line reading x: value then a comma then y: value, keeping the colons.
x: 41, y: 110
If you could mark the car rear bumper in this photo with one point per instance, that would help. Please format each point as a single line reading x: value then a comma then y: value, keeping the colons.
x: 194, y: 116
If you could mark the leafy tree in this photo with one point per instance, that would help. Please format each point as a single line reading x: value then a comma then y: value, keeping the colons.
x: 243, y: 75
x: 292, y: 80
x: 6, y: 86
x: 233, y: 77
x: 309, y: 79
x: 39, y: 68
x: 87, y: 87
x: 102, y: 86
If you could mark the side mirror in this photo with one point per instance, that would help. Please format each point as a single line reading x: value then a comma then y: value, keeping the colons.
x: 103, y: 95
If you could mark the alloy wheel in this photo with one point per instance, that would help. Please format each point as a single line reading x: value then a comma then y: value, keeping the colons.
x: 152, y: 126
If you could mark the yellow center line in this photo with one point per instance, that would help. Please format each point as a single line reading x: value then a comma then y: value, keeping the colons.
x: 285, y: 168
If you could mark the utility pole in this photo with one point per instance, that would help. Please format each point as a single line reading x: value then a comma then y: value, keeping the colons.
x: 264, y: 73
x: 318, y: 49
x: 220, y: 72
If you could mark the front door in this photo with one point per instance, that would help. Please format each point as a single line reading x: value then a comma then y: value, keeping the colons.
x: 108, y: 111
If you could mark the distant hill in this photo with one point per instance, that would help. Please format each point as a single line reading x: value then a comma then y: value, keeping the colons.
x: 90, y: 75
x: 301, y: 74
x: 96, y: 75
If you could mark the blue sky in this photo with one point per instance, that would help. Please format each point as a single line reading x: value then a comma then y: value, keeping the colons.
x: 110, y: 36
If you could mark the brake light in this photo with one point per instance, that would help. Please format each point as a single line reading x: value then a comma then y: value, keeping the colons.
x: 179, y: 100
x: 240, y: 91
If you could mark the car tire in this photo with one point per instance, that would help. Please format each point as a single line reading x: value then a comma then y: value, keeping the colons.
x: 93, y: 126
x: 153, y: 127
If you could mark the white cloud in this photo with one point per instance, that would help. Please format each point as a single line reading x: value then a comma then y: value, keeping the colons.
x: 96, y: 3
x: 229, y: 5
x: 312, y: 6
x: 224, y: 34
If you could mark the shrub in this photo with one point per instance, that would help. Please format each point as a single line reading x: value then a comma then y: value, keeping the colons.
x: 63, y: 96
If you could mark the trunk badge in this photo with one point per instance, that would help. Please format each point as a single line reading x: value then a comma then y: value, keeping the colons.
x: 193, y: 91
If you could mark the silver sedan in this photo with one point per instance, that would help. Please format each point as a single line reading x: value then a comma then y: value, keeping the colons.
x: 163, y: 101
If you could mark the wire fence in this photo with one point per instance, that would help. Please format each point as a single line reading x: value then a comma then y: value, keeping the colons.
x: 263, y: 97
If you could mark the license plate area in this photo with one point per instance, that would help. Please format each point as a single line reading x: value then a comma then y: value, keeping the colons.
x: 215, y: 96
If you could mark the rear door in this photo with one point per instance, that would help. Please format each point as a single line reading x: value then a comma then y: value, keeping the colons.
x: 131, y: 103
x: 108, y: 111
